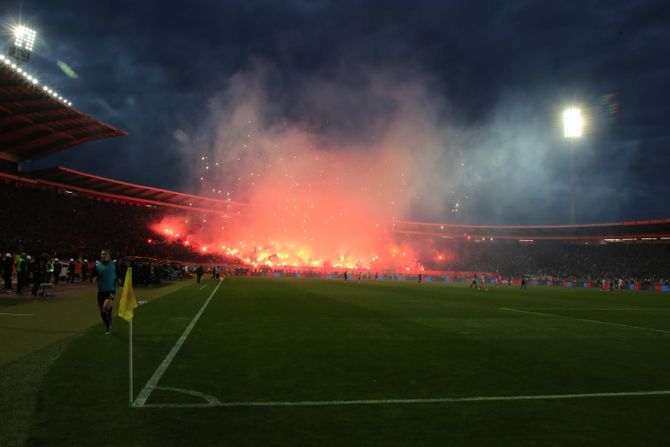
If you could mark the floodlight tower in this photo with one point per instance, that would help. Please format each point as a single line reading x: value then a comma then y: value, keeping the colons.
x: 573, y: 126
x: 22, y: 47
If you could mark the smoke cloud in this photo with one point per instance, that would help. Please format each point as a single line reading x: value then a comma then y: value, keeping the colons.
x: 326, y: 172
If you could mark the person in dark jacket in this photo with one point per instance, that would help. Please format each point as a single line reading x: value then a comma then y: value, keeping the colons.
x: 70, y: 271
x: 58, y: 267
x: 31, y: 270
x: 84, y: 270
x: 8, y: 268
x: 199, y: 272
x: 39, y: 272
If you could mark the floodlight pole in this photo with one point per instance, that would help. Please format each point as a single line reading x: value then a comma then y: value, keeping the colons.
x: 130, y: 361
x: 573, y: 188
x: 20, y: 55
x: 572, y: 130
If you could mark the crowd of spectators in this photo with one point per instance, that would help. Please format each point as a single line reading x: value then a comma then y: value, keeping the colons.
x: 69, y: 230
x: 67, y: 225
x: 50, y: 236
x: 640, y: 261
x: 23, y: 273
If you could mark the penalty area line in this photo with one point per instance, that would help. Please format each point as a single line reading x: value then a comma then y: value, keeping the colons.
x: 327, y: 403
x: 153, y: 381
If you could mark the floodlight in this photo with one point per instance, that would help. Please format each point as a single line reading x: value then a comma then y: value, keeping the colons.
x: 572, y: 123
x: 24, y: 39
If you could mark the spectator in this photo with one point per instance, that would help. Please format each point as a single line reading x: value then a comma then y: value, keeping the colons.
x: 70, y: 271
x: 21, y: 273
x: 84, y: 270
x: 39, y: 271
x: 58, y: 267
x: 7, y: 269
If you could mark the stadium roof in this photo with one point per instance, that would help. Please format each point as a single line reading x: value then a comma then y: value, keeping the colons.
x: 35, y: 121
x: 632, y: 230
x: 72, y: 181
x: 66, y: 179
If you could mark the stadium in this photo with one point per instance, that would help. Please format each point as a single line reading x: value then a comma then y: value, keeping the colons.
x: 295, y: 316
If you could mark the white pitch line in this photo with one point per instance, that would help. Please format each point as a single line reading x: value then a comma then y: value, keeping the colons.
x: 595, y: 308
x: 204, y: 286
x: 153, y: 381
x: 629, y: 326
x: 325, y: 403
x: 15, y: 315
x: 211, y: 400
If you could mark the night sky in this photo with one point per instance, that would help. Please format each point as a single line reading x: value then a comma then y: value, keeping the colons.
x: 495, y: 75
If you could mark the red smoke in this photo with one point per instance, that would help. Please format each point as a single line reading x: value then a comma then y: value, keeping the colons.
x: 311, y: 203
x: 310, y: 209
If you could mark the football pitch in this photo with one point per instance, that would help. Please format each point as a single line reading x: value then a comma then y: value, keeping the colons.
x: 250, y: 361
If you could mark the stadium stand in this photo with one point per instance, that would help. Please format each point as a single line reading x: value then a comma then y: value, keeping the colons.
x: 69, y: 224
x: 559, y: 259
x: 82, y: 217
x: 47, y: 218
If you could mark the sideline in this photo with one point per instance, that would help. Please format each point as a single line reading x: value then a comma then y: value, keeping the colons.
x: 324, y: 403
x: 613, y: 309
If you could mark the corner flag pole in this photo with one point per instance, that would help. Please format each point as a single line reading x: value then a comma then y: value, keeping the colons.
x: 126, y: 307
x: 130, y: 361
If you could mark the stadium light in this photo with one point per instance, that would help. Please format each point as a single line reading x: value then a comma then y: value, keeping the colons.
x: 573, y: 123
x: 24, y: 37
x: 24, y: 40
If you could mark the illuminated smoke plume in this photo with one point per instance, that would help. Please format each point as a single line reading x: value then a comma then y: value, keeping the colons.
x: 326, y: 170
x: 315, y: 197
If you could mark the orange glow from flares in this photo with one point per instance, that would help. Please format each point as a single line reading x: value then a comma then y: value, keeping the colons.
x: 310, y: 203
x: 360, y: 251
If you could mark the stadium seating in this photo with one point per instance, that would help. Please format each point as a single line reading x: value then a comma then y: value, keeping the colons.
x: 67, y: 225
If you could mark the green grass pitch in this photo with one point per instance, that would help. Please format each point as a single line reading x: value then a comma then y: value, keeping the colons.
x: 363, y: 363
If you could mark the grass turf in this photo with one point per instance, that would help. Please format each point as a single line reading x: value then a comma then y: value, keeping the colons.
x: 49, y: 320
x: 263, y: 340
x: 33, y: 339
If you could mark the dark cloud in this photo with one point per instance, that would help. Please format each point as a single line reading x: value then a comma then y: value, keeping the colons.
x: 492, y: 69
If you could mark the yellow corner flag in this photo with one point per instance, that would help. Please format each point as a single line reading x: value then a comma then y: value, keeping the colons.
x: 128, y: 301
